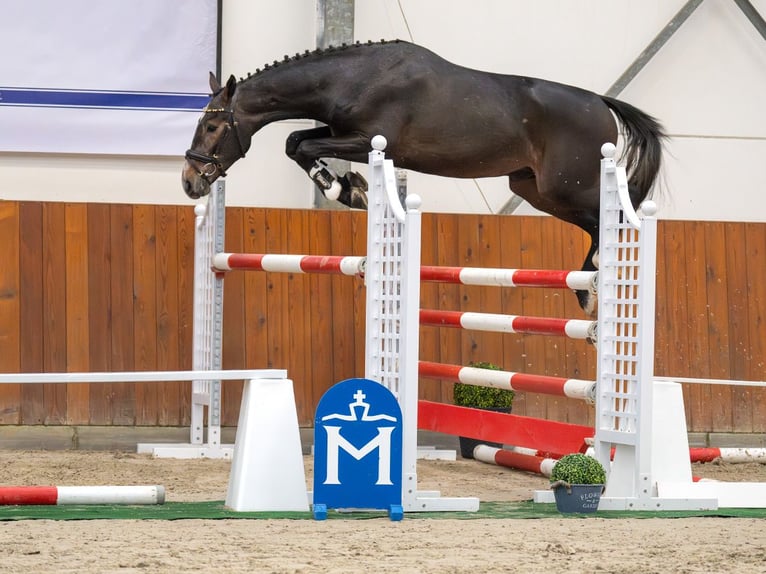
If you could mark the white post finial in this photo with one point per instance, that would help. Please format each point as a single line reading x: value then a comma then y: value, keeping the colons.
x: 379, y: 143
x: 413, y: 201
x: 649, y: 208
x: 608, y: 150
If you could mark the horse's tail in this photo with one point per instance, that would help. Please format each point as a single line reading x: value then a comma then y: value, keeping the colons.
x: 643, y: 147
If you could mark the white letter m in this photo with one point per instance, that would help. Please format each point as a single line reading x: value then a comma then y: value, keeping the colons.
x: 382, y: 442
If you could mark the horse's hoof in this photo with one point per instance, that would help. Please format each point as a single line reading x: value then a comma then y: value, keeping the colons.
x: 353, y: 194
x: 358, y: 199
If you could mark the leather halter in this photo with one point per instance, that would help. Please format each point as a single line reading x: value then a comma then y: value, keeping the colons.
x: 211, y: 164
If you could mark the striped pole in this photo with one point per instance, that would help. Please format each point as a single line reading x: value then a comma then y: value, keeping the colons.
x: 59, y: 495
x: 582, y: 280
x: 710, y: 454
x: 731, y: 455
x: 544, y: 384
x: 513, y: 459
x: 332, y: 264
x: 354, y: 265
x: 572, y: 328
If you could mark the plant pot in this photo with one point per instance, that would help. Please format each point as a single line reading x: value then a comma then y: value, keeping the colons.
x: 577, y: 498
x: 467, y: 444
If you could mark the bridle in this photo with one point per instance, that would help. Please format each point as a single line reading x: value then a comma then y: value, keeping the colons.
x: 211, y: 164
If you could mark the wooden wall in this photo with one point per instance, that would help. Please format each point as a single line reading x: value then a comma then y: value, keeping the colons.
x: 98, y: 287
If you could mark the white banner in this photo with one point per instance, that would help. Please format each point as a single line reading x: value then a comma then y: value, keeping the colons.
x: 104, y: 76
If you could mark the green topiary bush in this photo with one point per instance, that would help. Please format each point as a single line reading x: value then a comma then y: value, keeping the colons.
x: 482, y: 397
x: 578, y: 469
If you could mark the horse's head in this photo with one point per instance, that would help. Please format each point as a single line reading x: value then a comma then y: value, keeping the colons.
x: 216, y: 144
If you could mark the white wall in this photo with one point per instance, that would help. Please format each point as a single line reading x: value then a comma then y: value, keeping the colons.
x: 706, y: 85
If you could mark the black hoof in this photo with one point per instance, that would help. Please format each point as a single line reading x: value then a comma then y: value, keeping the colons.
x: 353, y: 190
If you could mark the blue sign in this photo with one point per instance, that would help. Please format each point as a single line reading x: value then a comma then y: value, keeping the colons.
x: 358, y: 449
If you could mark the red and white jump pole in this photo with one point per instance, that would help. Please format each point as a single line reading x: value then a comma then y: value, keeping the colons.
x: 59, y: 495
x: 727, y: 454
x: 572, y: 328
x: 582, y: 280
x: 513, y: 459
x: 354, y: 265
x: 338, y: 265
x: 544, y: 384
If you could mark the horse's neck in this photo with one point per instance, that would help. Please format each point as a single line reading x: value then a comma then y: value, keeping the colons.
x: 284, y: 93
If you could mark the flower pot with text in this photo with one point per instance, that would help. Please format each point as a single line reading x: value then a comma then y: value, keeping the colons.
x: 577, y: 481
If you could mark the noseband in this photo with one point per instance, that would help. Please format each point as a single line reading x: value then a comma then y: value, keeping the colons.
x: 211, y: 164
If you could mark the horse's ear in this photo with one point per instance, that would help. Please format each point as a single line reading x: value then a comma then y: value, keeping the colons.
x: 215, y: 87
x: 231, y: 85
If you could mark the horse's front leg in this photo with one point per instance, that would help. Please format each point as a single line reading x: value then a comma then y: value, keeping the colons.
x: 307, y: 147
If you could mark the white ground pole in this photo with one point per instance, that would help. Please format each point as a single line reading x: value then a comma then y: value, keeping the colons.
x: 62, y: 495
x: 392, y: 278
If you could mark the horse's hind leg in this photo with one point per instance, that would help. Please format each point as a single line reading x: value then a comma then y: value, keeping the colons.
x: 524, y: 183
x: 307, y: 147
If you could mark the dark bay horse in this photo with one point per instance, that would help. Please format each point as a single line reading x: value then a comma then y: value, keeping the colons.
x: 438, y: 118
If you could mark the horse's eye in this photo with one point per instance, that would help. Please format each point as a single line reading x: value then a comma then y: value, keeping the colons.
x: 210, y: 128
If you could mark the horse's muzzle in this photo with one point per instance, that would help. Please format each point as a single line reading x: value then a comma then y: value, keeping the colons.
x: 194, y: 184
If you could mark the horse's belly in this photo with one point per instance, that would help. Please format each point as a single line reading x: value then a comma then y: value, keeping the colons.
x: 451, y: 161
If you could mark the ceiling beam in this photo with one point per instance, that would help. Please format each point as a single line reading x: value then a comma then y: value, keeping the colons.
x: 654, y: 46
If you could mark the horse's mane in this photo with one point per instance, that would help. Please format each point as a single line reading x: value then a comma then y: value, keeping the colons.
x: 315, y: 54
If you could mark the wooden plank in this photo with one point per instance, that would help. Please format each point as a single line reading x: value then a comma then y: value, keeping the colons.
x: 10, y: 311
x: 99, y: 308
x: 276, y: 295
x: 54, y: 297
x: 255, y: 303
x: 298, y: 306
x: 145, y: 309
x: 31, y: 325
x: 185, y: 268
x: 739, y: 333
x: 661, y: 323
x: 343, y: 293
x: 429, y: 299
x: 755, y: 235
x: 122, y: 395
x: 322, y: 342
x: 77, y: 307
x: 698, y: 411
x: 450, y: 297
x: 168, y: 313
x: 717, y: 307
x: 234, y: 347
x: 676, y: 312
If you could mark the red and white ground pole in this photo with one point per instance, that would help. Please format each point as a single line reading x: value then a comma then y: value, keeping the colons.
x: 513, y: 459
x: 60, y: 495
